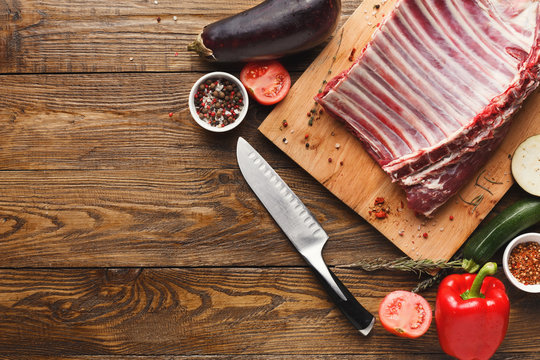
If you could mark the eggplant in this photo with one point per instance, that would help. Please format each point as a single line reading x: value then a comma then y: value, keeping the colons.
x: 270, y: 30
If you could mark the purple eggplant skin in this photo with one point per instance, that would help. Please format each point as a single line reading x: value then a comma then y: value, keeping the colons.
x: 270, y: 30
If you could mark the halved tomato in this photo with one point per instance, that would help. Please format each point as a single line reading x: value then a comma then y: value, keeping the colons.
x: 266, y: 81
x: 405, y: 314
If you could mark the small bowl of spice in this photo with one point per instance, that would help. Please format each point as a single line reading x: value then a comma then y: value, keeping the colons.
x: 218, y: 101
x: 521, y: 262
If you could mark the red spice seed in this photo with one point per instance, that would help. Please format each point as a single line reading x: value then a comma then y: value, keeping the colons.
x: 170, y: 114
x: 306, y: 136
x: 451, y: 217
x: 214, y: 103
x: 341, y: 163
x: 351, y: 56
x: 425, y: 235
x: 329, y: 160
x: 524, y: 263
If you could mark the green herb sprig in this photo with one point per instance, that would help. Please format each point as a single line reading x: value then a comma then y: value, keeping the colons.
x: 406, y: 264
x: 422, y: 266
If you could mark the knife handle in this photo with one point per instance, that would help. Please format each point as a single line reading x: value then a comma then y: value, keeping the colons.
x: 362, y: 319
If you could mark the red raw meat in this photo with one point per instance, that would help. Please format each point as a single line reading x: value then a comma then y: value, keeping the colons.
x: 432, y: 94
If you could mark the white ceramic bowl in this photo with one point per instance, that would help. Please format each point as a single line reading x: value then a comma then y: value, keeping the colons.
x: 204, y: 124
x: 529, y: 237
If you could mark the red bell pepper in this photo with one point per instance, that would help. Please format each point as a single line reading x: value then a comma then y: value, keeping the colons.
x: 471, y: 313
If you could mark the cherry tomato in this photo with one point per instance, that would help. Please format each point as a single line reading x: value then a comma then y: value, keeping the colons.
x: 405, y: 314
x: 266, y: 81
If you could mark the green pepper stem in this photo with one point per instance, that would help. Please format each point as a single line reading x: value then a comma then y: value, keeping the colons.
x: 488, y: 269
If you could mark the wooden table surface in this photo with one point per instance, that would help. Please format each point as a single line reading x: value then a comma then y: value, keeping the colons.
x: 128, y: 233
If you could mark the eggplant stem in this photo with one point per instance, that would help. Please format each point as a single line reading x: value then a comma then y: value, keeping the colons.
x: 199, y: 48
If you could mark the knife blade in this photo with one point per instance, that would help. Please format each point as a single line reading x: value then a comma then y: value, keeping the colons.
x: 302, y: 229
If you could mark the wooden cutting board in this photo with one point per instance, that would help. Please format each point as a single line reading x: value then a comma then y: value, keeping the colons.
x: 337, y: 160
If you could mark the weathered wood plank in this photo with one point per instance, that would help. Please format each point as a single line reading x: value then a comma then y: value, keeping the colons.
x: 118, y: 36
x: 174, y: 217
x: 113, y: 121
x: 364, y: 356
x: 209, y: 312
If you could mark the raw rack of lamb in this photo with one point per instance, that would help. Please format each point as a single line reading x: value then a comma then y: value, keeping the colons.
x: 432, y: 94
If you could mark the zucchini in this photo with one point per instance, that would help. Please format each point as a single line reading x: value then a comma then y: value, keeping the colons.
x: 487, y: 240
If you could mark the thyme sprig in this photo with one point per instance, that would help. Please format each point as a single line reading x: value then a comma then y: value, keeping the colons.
x: 435, y: 279
x: 421, y: 266
x: 429, y: 282
x: 478, y: 199
x: 474, y: 202
x: 480, y: 185
x: 492, y: 181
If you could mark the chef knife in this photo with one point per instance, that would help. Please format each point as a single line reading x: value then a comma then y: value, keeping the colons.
x: 302, y: 229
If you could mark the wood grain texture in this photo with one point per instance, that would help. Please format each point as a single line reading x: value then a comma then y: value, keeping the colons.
x: 175, y: 217
x: 110, y: 121
x: 129, y: 234
x: 398, y: 356
x: 353, y: 176
x: 119, y: 36
x: 214, y: 311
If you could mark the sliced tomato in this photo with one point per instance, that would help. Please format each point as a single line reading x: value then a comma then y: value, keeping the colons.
x: 266, y: 81
x: 405, y: 314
